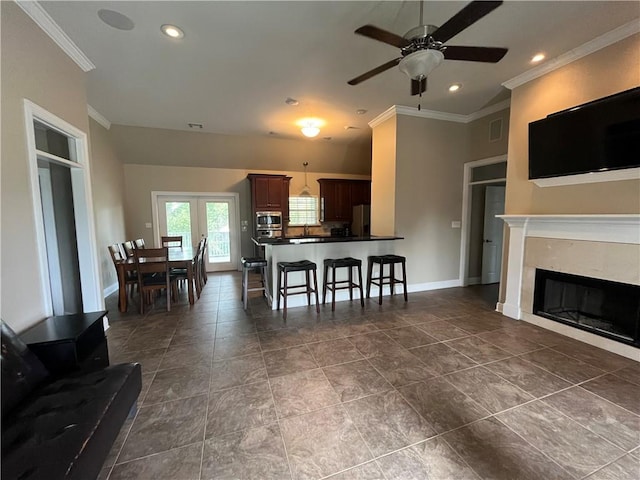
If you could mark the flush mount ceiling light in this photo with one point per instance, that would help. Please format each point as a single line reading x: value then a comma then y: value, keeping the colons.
x: 538, y: 57
x: 172, y: 31
x: 310, y: 127
x: 455, y: 87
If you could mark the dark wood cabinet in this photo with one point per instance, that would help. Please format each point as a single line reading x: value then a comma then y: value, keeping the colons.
x: 339, y: 196
x: 67, y: 343
x: 269, y: 192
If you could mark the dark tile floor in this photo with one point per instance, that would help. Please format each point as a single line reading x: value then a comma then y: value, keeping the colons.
x: 441, y: 387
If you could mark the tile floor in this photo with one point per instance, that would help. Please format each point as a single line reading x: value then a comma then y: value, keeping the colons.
x: 441, y: 387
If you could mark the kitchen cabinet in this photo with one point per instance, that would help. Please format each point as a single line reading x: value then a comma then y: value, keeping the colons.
x: 339, y: 196
x: 269, y: 192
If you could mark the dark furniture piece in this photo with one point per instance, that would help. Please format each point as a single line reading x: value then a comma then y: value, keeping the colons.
x: 60, y: 428
x: 338, y: 196
x: 390, y: 279
x: 269, y: 192
x: 251, y: 264
x: 70, y: 342
x: 152, y: 265
x: 284, y: 268
x: 334, y: 285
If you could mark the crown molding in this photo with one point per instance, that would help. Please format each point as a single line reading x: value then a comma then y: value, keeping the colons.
x: 40, y: 16
x: 577, y: 53
x: 435, y: 115
x: 98, y: 117
x: 489, y: 110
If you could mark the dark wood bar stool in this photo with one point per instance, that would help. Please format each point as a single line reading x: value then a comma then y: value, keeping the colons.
x: 334, y: 285
x: 302, y: 266
x: 250, y: 264
x: 381, y: 279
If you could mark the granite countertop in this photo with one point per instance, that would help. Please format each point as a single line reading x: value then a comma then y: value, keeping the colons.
x: 319, y: 239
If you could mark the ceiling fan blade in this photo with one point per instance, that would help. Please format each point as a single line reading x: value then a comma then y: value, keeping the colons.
x: 375, y: 71
x: 464, y: 18
x: 475, y: 54
x: 382, y: 36
x: 418, y: 87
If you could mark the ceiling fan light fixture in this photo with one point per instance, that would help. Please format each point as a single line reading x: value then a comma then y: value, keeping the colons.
x: 418, y: 65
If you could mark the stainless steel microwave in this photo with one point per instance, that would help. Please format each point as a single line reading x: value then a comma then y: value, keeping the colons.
x: 268, y: 220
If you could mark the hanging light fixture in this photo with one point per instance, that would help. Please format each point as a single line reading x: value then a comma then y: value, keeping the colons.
x: 305, y: 190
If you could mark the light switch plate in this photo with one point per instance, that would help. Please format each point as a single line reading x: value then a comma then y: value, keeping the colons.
x: 147, y: 225
x: 456, y: 224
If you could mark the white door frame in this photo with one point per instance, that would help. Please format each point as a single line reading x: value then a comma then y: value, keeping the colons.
x: 90, y: 280
x: 156, y: 219
x: 466, y: 210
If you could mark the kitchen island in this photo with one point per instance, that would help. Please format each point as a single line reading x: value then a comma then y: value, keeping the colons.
x: 317, y: 249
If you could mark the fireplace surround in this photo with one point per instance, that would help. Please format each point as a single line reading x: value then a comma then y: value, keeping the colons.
x: 605, y: 247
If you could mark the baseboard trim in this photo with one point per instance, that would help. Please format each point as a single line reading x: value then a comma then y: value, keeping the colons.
x: 474, y: 280
x: 110, y: 289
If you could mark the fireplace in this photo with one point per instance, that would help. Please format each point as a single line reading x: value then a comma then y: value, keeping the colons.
x: 605, y: 308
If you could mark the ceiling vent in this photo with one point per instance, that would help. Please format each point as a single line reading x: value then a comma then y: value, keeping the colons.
x: 495, y: 130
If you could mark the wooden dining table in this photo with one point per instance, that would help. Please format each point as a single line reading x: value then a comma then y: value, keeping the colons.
x: 184, y: 257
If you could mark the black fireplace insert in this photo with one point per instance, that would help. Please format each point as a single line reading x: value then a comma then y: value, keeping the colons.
x: 606, y: 308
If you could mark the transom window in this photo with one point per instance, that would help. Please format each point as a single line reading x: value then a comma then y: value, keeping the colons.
x: 303, y: 210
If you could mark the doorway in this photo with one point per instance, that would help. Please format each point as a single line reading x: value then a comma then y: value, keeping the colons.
x: 482, y: 232
x: 63, y: 207
x: 193, y: 216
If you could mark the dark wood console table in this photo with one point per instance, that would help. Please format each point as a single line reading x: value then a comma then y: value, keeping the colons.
x: 70, y: 342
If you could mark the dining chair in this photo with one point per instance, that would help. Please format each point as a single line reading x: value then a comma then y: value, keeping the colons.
x: 152, y: 265
x: 203, y: 263
x: 197, y: 277
x: 129, y: 247
x: 139, y: 243
x: 171, y: 241
x: 131, y: 279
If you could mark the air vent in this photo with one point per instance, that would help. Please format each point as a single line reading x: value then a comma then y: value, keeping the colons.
x: 495, y: 130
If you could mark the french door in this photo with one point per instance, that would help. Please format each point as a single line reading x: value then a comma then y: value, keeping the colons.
x: 193, y: 217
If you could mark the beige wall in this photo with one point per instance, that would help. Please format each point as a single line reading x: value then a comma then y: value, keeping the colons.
x: 107, y: 177
x: 141, y: 180
x: 607, y: 71
x: 33, y: 67
x: 152, y: 146
x: 480, y: 146
x: 383, y: 174
x: 429, y: 168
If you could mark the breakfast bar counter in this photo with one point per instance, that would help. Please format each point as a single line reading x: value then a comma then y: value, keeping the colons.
x: 317, y: 249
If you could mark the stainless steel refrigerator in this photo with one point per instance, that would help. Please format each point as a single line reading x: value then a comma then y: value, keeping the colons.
x: 360, y: 226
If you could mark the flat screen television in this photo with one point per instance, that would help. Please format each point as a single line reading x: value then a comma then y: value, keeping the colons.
x: 597, y: 136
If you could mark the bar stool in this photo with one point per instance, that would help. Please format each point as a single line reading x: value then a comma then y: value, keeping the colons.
x: 349, y: 263
x: 391, y: 279
x: 249, y: 264
x: 301, y: 266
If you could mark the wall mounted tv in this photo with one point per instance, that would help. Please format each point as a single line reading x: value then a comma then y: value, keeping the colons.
x: 597, y: 136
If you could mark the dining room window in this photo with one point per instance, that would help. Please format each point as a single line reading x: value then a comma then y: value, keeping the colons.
x: 303, y: 210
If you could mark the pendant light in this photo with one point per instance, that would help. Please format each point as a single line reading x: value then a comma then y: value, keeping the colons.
x: 305, y: 190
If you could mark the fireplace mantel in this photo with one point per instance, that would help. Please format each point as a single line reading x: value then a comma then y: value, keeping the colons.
x: 612, y: 228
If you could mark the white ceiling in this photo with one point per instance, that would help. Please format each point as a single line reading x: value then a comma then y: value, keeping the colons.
x: 239, y: 61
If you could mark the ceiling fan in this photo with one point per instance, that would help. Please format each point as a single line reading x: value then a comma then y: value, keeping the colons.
x: 423, y: 47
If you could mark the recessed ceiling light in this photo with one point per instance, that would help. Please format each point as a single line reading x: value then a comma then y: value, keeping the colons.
x: 538, y: 57
x: 455, y: 87
x: 172, y: 31
x: 361, y: 111
x: 351, y: 127
x: 115, y: 19
x: 291, y: 101
x: 326, y: 138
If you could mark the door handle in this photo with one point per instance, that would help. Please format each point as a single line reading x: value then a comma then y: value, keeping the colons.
x: 488, y: 241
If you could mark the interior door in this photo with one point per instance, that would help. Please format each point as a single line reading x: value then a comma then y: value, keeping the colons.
x: 492, y: 237
x: 217, y: 221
